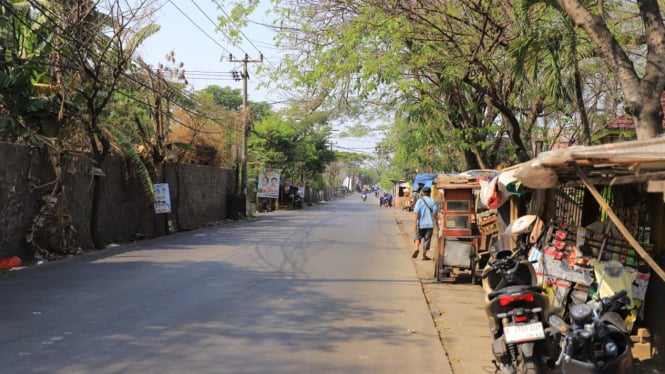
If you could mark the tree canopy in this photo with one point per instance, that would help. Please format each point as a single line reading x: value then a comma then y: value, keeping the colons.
x: 473, y: 84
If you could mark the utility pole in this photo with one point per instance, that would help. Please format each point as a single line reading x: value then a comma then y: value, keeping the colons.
x: 245, y: 129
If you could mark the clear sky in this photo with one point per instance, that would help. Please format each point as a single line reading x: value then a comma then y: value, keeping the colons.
x: 188, y: 29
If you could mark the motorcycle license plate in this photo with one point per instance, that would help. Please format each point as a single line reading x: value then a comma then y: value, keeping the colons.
x: 524, y: 333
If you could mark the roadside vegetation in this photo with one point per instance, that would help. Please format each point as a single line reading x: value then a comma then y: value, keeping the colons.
x: 447, y: 86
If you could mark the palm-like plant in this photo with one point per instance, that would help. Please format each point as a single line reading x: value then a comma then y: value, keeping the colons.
x: 548, y: 55
x: 62, y: 63
x: 29, y: 104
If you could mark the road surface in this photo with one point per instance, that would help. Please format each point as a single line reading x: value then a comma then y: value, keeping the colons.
x: 325, y: 289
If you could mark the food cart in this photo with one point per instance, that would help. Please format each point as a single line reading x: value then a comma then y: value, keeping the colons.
x: 406, y: 197
x: 457, y: 237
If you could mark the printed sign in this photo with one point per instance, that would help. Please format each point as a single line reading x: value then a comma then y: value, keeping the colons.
x: 162, y: 198
x: 269, y: 184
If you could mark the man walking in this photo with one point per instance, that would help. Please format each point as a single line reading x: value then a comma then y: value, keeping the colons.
x: 424, y: 213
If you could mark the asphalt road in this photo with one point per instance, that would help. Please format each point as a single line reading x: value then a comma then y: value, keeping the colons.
x: 325, y: 289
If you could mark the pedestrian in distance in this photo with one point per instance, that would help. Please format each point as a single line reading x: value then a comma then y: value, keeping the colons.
x: 424, y: 213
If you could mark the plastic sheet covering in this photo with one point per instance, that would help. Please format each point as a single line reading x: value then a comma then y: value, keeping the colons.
x: 422, y: 180
x: 510, y: 183
x: 629, y: 151
x: 492, y: 193
x: 480, y: 173
x: 534, y: 174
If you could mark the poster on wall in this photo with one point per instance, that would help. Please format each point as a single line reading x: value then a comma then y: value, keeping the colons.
x: 162, y: 198
x: 268, y: 184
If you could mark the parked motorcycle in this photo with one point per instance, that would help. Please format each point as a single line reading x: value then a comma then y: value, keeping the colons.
x: 297, y: 202
x: 516, y: 306
x: 597, y: 340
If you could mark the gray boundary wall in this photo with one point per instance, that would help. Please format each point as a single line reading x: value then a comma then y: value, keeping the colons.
x: 199, y: 198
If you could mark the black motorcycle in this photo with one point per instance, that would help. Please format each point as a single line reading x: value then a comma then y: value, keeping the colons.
x: 297, y: 202
x: 517, y: 307
x: 597, y: 340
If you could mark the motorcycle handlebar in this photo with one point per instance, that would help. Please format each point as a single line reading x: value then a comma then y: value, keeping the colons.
x: 507, y: 264
x: 607, y: 302
x: 497, y: 266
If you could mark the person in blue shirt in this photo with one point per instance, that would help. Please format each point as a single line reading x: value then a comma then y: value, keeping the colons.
x: 424, y: 213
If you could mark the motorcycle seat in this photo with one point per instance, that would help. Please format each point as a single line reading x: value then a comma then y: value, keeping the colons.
x: 512, y: 290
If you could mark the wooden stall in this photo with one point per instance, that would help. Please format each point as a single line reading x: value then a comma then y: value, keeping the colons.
x: 603, y: 203
x: 457, y: 236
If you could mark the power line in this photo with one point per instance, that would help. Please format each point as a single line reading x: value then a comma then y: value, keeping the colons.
x: 183, y: 93
x: 199, y: 27
x: 211, y: 21
x: 171, y: 118
x: 144, y: 85
x: 242, y: 33
x: 208, y: 35
x: 357, y: 150
x: 245, y: 36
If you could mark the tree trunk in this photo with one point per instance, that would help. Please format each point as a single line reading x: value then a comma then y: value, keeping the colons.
x: 94, y: 212
x: 579, y: 96
x: 646, y: 123
x: 471, y: 159
x: 642, y: 96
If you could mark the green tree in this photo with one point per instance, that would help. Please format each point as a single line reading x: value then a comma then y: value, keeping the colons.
x: 419, y: 57
x: 93, y: 48
x: 63, y: 63
x: 29, y: 105
x: 299, y: 147
x: 225, y: 97
x: 468, y: 74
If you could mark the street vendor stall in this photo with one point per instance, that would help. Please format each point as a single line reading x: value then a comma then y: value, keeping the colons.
x: 404, y: 196
x: 600, y: 203
x: 457, y: 237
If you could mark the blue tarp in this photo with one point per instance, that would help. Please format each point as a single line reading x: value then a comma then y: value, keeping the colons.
x: 422, y: 180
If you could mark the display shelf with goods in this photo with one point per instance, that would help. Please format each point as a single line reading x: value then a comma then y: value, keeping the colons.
x: 563, y: 262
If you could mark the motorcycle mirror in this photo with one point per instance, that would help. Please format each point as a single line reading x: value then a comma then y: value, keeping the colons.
x: 558, y: 323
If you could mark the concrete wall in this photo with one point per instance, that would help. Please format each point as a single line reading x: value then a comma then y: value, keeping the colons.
x: 199, y: 197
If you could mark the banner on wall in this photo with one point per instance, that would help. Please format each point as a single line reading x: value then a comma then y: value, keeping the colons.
x: 162, y: 198
x: 268, y: 184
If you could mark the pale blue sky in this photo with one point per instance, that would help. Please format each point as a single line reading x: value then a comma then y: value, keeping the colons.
x: 188, y: 29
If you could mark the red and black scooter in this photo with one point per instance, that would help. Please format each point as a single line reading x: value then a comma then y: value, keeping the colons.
x: 516, y: 307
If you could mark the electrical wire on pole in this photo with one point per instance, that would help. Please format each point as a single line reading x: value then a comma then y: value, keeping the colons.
x: 245, y: 128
